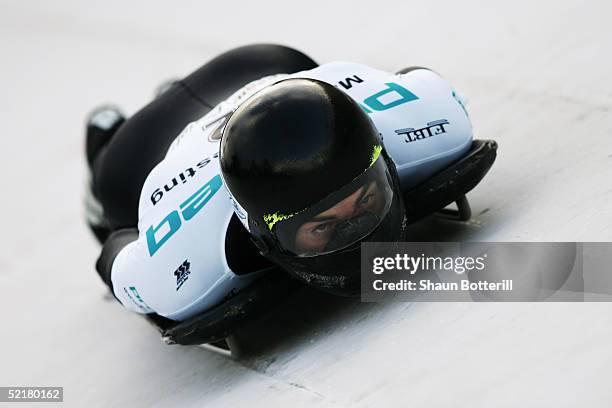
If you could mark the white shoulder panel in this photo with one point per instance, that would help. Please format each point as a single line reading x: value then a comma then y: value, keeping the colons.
x: 177, y: 267
x: 423, y: 123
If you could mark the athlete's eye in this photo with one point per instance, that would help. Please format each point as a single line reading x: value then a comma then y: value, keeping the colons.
x: 322, y: 228
x: 366, y: 199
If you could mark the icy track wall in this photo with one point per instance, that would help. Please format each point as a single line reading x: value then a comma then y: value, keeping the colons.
x: 536, y: 75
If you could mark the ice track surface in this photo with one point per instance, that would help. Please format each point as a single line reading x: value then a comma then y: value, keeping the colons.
x: 537, y: 76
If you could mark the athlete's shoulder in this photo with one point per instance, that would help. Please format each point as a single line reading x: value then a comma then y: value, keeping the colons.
x: 191, y: 162
x: 423, y: 122
x: 418, y: 114
x: 184, y: 213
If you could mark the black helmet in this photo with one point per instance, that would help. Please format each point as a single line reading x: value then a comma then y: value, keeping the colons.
x: 306, y: 166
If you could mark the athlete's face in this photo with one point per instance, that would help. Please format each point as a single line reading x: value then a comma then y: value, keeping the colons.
x: 314, y: 235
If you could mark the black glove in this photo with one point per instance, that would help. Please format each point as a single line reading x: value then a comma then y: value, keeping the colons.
x: 113, y: 245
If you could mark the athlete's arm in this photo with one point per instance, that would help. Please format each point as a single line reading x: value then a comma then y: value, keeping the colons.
x: 175, y: 263
x: 112, y: 246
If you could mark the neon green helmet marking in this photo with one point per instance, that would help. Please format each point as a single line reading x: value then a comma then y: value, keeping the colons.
x: 375, y: 154
x: 271, y: 219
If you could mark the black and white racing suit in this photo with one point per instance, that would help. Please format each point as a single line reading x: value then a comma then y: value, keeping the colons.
x: 176, y: 264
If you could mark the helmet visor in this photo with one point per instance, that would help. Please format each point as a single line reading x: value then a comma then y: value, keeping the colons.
x: 340, y: 219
